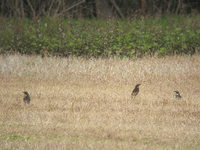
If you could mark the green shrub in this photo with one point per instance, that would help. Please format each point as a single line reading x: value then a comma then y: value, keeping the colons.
x: 97, y: 38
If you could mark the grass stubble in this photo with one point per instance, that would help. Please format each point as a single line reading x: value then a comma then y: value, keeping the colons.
x: 82, y: 103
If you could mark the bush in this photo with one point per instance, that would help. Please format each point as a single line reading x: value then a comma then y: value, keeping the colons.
x: 94, y: 38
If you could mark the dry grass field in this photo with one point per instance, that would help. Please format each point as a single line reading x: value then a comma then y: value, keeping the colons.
x: 80, y: 104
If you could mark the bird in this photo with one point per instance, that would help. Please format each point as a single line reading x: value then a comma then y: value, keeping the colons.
x: 135, y: 90
x: 177, y: 95
x: 26, y: 98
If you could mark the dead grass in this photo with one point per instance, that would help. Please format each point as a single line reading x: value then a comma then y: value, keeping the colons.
x: 85, y: 104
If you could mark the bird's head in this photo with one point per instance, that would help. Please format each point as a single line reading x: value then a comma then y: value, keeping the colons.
x: 25, y: 92
x: 137, y: 85
x: 176, y: 91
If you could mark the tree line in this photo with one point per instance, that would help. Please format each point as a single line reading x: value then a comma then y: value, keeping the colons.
x: 96, y: 8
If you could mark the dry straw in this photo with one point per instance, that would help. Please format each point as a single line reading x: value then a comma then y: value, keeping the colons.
x: 79, y: 103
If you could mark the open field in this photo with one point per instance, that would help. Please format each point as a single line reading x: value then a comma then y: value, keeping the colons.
x: 85, y: 104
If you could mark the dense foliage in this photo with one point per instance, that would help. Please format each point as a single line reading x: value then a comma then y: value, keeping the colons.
x: 130, y: 38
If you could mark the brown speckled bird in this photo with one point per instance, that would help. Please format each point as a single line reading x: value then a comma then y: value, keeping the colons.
x: 135, y: 90
x: 177, y: 95
x: 26, y: 98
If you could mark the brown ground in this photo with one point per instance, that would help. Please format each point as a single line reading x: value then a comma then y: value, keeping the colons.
x: 86, y: 104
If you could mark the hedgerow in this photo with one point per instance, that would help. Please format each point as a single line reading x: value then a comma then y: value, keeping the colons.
x: 101, y: 38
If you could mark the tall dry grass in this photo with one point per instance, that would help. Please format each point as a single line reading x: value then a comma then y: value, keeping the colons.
x: 86, y: 104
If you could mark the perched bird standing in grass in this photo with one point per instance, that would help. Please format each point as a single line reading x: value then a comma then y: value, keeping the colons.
x: 177, y: 95
x: 135, y: 91
x: 26, y: 98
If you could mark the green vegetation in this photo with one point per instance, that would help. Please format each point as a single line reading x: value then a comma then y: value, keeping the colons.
x: 130, y: 38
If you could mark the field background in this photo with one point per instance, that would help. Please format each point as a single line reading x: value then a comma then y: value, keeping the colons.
x: 80, y: 103
x: 81, y: 59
